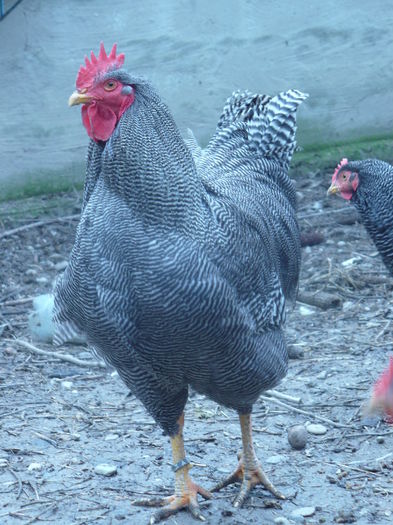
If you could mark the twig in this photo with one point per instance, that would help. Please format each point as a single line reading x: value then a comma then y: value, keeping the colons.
x: 16, y: 302
x: 38, y: 516
x: 63, y: 357
x: 20, y: 486
x: 14, y: 231
x: 309, y: 414
x: 322, y: 300
x: 280, y: 395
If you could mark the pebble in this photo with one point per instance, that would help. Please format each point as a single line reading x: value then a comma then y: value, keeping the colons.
x: 305, y: 512
x: 322, y: 375
x: 67, y: 384
x: 282, y: 521
x: 304, y: 310
x: 316, y: 429
x: 297, y: 437
x: 105, y: 470
x: 110, y: 437
x: 42, y: 280
x: 273, y: 460
x: 295, y: 352
x: 380, y: 440
x: 61, y: 265
x: 34, y: 466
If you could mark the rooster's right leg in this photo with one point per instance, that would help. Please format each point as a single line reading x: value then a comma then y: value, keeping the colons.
x: 186, y: 491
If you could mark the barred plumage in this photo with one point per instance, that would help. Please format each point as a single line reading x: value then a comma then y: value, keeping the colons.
x: 182, y: 263
x: 372, y: 196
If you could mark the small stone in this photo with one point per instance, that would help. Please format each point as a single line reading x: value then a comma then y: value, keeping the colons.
x: 34, y: 466
x: 297, y: 437
x: 316, y: 429
x: 105, y: 470
x: 305, y: 512
x: 282, y: 521
x: 380, y: 440
x: 41, y: 280
x: 67, y: 384
x: 322, y: 375
x: 345, y: 516
x: 61, y: 265
x: 304, y: 310
x: 273, y: 460
x: 111, y: 437
x: 295, y: 352
x: 3, y: 462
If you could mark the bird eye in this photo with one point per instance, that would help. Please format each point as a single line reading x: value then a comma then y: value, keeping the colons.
x: 344, y: 176
x: 110, y: 85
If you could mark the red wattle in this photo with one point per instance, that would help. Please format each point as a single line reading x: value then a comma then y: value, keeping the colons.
x: 100, y: 120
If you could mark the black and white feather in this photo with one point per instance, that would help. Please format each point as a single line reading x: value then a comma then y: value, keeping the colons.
x: 184, y: 258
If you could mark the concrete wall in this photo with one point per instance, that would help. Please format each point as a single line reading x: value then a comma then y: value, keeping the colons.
x: 196, y: 52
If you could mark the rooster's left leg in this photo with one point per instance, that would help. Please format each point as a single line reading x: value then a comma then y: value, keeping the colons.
x: 249, y: 472
x: 186, y: 491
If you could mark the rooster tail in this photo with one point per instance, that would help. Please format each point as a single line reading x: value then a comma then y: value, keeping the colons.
x: 272, y: 132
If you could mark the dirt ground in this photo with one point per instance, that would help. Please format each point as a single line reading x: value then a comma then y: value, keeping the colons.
x: 59, y: 420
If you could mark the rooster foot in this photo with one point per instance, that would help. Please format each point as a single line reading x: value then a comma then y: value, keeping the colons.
x: 249, y: 478
x: 172, y: 504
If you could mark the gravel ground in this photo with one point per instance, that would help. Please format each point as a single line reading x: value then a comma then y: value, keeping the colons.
x: 59, y: 420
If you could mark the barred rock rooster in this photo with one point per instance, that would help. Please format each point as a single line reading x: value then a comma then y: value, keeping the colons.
x: 368, y: 184
x: 182, y: 265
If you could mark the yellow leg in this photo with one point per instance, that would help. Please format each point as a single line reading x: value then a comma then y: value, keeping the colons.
x: 186, y: 491
x: 249, y: 471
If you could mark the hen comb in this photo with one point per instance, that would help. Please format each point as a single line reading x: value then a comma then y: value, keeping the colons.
x: 385, y: 381
x: 339, y: 166
x: 98, y: 65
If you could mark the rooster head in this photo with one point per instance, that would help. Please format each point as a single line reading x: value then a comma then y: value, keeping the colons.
x: 104, y: 97
x: 345, y: 181
x: 382, y: 396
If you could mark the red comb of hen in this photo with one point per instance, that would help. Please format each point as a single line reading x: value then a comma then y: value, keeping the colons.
x: 385, y: 381
x: 339, y: 166
x: 98, y: 65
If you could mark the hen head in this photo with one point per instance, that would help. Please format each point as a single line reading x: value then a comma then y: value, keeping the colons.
x: 103, y: 95
x: 382, y: 396
x: 345, y: 180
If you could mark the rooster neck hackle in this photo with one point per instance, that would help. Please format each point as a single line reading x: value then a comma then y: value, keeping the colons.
x: 155, y: 172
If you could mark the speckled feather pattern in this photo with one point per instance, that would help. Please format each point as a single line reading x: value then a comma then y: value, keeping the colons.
x: 374, y: 201
x: 184, y: 257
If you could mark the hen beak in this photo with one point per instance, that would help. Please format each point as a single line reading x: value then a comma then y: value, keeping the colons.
x: 333, y: 189
x: 79, y: 98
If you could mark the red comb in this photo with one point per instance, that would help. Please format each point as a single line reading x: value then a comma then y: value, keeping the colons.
x: 339, y: 166
x: 385, y: 380
x: 98, y: 65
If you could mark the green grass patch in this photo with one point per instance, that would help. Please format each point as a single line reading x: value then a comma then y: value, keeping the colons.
x: 314, y: 158
x: 43, y: 182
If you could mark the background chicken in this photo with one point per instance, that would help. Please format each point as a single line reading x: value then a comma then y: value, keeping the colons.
x: 368, y: 184
x: 382, y: 396
x: 180, y: 269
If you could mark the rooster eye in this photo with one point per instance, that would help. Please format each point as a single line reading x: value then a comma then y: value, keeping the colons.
x: 110, y: 85
x: 344, y: 176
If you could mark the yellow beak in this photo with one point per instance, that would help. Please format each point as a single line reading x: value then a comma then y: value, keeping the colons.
x: 333, y: 190
x: 79, y: 98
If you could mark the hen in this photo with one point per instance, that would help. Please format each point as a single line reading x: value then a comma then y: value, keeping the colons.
x: 181, y: 267
x: 368, y: 184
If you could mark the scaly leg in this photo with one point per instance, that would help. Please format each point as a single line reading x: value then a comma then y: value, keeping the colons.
x: 186, y: 491
x: 249, y: 471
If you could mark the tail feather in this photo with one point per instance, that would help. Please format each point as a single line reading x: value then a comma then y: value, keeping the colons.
x: 273, y: 133
x: 242, y: 106
x: 267, y: 124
